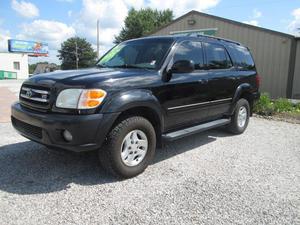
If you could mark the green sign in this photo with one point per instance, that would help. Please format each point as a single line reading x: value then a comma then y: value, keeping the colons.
x: 7, y: 75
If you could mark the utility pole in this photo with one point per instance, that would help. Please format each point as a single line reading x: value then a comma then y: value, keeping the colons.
x: 76, y: 54
x: 98, y: 38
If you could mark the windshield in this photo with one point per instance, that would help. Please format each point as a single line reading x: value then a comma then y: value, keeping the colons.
x: 144, y: 53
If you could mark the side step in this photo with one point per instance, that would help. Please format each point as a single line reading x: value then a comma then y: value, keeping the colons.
x: 195, y: 129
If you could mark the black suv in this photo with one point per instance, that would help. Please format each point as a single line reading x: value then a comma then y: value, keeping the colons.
x: 142, y: 92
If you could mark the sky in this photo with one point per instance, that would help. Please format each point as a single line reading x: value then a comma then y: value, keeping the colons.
x: 53, y: 21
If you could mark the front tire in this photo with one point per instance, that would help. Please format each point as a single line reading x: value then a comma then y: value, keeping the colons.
x: 129, y: 147
x: 240, y: 118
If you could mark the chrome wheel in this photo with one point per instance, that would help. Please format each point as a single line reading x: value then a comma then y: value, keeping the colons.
x: 242, y: 116
x: 134, y: 148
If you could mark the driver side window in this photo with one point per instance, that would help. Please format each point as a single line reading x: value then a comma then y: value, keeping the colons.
x: 192, y: 51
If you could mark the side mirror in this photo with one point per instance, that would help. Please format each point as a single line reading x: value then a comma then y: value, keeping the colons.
x: 183, y: 66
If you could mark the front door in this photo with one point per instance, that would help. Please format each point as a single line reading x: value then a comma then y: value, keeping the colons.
x: 185, y: 95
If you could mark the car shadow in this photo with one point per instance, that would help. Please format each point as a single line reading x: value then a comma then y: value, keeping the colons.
x: 30, y: 168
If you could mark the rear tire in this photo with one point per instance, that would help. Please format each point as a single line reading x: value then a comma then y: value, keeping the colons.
x: 129, y: 147
x: 240, y: 118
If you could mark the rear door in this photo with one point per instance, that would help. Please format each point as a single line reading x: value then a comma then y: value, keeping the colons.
x: 222, y: 79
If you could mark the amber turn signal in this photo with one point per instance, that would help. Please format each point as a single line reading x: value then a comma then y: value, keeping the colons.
x: 91, y: 98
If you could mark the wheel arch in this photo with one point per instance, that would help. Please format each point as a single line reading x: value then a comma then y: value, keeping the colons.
x: 137, y: 103
x: 243, y: 91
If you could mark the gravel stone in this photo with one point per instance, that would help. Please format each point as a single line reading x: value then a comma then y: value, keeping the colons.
x: 207, y: 178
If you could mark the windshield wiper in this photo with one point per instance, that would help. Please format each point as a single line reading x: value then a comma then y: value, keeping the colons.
x: 101, y: 65
x: 127, y: 66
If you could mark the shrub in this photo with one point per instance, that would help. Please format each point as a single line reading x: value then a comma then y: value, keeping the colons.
x: 264, y: 106
x: 297, y: 108
x: 283, y: 105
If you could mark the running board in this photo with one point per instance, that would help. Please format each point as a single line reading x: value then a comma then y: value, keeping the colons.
x: 195, y: 129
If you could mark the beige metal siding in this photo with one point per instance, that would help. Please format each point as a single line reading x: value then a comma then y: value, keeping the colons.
x: 296, y: 83
x: 271, y: 51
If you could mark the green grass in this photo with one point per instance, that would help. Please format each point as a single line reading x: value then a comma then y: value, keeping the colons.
x: 297, y: 107
x: 264, y: 106
x: 283, y: 105
x: 267, y: 107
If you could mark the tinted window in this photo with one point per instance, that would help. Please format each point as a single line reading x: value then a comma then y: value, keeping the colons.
x: 217, y: 57
x: 190, y: 50
x: 243, y: 58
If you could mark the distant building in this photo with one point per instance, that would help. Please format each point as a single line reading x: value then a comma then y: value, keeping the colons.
x: 13, y: 65
x: 277, y: 55
x: 45, y: 68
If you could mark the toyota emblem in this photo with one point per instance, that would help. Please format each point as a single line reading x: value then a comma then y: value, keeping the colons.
x: 29, y: 93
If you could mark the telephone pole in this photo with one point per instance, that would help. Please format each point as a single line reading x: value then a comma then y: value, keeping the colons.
x: 76, y: 54
x: 98, y: 38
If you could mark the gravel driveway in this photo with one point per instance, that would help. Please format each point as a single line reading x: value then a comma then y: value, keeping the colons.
x: 208, y: 178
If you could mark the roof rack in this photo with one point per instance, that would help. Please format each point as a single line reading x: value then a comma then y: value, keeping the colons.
x: 218, y: 38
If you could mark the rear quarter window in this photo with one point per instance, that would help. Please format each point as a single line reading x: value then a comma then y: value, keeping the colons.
x: 242, y: 57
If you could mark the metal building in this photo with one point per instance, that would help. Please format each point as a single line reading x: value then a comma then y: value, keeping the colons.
x: 277, y: 55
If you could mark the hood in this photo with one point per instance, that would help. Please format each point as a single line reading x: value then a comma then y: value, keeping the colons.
x: 94, y: 77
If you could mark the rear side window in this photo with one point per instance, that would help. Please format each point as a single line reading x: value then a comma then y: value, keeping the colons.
x: 190, y: 50
x: 217, y: 57
x: 243, y: 58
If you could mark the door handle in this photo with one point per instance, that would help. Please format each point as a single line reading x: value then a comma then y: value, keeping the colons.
x: 203, y: 81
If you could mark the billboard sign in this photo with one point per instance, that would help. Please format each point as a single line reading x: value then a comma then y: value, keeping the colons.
x: 33, y: 48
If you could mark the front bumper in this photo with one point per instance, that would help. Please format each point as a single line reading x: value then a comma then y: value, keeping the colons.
x: 88, y: 131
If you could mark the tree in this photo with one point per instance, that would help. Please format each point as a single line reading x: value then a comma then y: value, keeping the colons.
x: 141, y: 22
x: 86, y: 55
x: 31, y: 68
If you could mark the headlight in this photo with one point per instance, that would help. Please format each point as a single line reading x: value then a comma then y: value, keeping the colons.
x: 80, y: 98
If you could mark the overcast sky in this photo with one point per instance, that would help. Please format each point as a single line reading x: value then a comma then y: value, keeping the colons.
x: 53, y: 21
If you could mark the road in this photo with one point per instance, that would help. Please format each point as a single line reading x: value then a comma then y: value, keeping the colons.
x: 208, y: 178
x: 9, y: 91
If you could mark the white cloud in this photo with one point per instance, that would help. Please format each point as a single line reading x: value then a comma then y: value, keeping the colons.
x: 51, y: 32
x: 137, y: 4
x: 256, y: 14
x: 294, y: 26
x: 111, y: 14
x: 70, y: 12
x: 4, y: 36
x: 253, y: 19
x: 251, y: 22
x: 181, y: 7
x: 25, y: 9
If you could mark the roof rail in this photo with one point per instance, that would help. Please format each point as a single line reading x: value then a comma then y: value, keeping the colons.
x: 218, y: 38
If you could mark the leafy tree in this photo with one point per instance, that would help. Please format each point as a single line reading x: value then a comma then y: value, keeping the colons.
x: 141, y: 22
x: 31, y: 68
x: 85, y: 53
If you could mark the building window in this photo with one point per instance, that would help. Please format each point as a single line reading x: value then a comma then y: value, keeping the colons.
x: 17, y: 65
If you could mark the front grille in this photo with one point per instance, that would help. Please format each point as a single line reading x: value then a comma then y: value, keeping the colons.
x: 35, y: 97
x: 27, y: 128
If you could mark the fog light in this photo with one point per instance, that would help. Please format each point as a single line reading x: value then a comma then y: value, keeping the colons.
x: 67, y: 136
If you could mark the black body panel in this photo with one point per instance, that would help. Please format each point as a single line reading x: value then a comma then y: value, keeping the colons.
x: 179, y: 100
